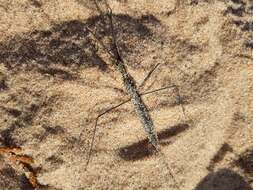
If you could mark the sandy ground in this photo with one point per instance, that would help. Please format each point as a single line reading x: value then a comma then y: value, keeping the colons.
x: 54, y: 81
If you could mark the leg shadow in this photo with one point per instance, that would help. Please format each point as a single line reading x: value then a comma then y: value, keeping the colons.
x: 219, y: 156
x: 141, y: 149
x: 223, y: 179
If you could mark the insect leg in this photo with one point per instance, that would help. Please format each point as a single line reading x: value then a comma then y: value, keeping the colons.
x: 179, y: 98
x: 95, y: 128
x: 148, y: 75
x: 120, y: 104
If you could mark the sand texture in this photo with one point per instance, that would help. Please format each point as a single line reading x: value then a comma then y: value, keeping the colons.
x: 55, y: 80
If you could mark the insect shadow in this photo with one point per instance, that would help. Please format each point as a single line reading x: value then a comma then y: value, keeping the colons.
x: 140, y: 149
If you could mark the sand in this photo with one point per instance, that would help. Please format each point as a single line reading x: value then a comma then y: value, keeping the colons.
x: 55, y: 80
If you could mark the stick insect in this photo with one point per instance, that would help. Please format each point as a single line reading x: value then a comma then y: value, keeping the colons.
x: 129, y: 83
